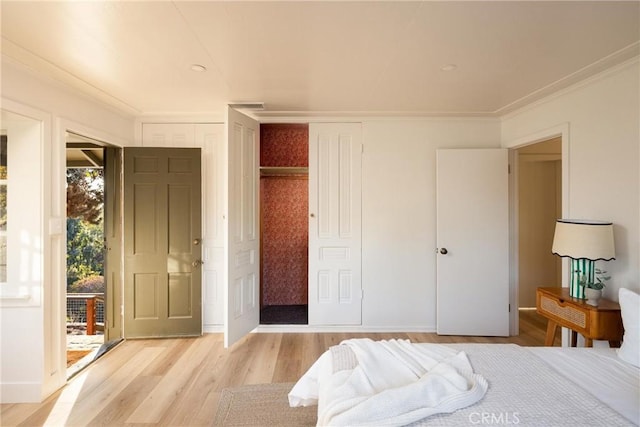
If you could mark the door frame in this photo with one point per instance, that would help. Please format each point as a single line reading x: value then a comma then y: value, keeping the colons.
x: 562, y: 131
x: 59, y: 157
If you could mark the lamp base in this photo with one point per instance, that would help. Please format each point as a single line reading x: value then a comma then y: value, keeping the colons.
x: 584, y: 268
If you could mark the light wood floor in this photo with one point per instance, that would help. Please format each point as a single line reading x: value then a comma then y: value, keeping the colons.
x: 177, y: 382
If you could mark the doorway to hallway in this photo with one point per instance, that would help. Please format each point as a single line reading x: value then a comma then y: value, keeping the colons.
x: 539, y: 205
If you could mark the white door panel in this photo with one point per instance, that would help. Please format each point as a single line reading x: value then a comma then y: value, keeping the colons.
x: 242, y: 311
x: 335, y: 277
x: 168, y: 135
x: 473, y: 229
x: 210, y: 137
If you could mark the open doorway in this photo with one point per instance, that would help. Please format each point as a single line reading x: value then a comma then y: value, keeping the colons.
x: 539, y: 205
x: 284, y: 224
x: 89, y: 224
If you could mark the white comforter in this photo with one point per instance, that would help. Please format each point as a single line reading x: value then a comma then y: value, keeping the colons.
x: 394, y: 383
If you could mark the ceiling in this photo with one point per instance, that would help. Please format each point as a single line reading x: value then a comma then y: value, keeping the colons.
x: 332, y: 57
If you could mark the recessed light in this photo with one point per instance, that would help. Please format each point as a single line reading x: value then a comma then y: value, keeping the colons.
x: 198, y: 68
x: 449, y: 67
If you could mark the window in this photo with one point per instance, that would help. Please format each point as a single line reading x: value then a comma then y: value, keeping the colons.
x: 21, y: 210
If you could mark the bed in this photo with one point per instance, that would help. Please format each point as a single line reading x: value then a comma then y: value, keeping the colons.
x: 359, y: 383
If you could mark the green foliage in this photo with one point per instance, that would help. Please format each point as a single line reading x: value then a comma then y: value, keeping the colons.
x: 85, y: 194
x: 85, y: 250
x: 85, y: 237
x: 88, y: 285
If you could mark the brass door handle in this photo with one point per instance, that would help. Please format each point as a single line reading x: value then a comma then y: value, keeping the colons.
x: 197, y: 263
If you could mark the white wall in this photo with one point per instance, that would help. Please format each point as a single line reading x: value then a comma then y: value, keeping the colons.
x: 399, y: 215
x: 32, y: 341
x: 539, y: 206
x: 603, y: 117
x: 21, y: 295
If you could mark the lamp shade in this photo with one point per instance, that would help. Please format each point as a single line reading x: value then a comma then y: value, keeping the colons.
x: 581, y: 239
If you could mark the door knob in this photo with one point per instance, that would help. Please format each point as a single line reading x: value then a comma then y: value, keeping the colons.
x: 197, y: 241
x: 312, y: 215
x: 444, y: 251
x: 197, y: 262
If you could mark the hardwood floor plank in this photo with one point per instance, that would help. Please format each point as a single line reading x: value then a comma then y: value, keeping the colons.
x: 172, y: 383
x: 263, y: 358
x: 13, y: 414
x: 174, y: 348
x: 87, y: 404
x: 124, y: 403
x: 289, y: 359
x: 185, y: 410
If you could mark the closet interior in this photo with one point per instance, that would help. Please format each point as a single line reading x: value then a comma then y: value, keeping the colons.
x: 284, y: 224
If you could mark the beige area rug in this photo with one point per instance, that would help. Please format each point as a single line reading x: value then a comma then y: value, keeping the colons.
x: 262, y: 405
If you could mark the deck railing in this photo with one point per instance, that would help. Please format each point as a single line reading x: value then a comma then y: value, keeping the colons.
x: 87, y: 309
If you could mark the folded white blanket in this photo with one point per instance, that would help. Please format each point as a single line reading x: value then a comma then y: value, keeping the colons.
x: 393, y: 383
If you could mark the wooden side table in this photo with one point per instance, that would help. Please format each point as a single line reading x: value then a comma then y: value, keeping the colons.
x: 602, y: 322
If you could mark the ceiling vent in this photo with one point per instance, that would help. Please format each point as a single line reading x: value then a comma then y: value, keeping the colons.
x: 247, y: 105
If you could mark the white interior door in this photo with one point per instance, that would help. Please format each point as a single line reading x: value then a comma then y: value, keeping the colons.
x: 242, y: 306
x: 473, y: 242
x: 335, y: 187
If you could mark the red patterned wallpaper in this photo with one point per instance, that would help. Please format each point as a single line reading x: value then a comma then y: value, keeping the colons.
x: 285, y: 237
x: 284, y: 145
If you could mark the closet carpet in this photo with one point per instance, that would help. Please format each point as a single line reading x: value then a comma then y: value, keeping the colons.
x: 284, y: 315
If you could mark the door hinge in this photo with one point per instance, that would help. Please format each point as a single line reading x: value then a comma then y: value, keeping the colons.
x: 361, y: 148
x: 509, y: 308
x: 508, y: 168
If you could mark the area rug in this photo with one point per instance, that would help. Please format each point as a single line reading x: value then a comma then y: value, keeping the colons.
x: 262, y: 405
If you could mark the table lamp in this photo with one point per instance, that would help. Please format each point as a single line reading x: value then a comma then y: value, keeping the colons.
x: 584, y: 241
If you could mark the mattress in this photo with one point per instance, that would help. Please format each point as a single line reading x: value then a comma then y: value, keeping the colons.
x: 599, y: 371
x: 529, y: 386
x: 541, y: 387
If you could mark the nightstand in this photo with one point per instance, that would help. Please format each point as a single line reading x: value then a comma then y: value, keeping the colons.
x: 602, y: 322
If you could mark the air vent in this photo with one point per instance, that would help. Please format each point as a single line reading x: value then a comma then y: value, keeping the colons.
x: 247, y: 105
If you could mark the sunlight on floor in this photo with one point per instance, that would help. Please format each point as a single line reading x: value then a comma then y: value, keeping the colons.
x: 65, y: 403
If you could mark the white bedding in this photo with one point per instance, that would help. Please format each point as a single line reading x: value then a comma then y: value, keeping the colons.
x: 524, y: 389
x: 393, y: 383
x: 601, y: 372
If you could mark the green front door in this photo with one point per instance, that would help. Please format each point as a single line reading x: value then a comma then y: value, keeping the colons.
x: 162, y: 242
x: 113, y: 243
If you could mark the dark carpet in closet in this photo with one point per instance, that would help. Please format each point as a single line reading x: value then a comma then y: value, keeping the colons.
x: 284, y: 315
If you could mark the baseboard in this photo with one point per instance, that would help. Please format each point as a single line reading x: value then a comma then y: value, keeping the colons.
x: 212, y: 329
x: 429, y: 329
x: 343, y: 329
x: 20, y: 393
